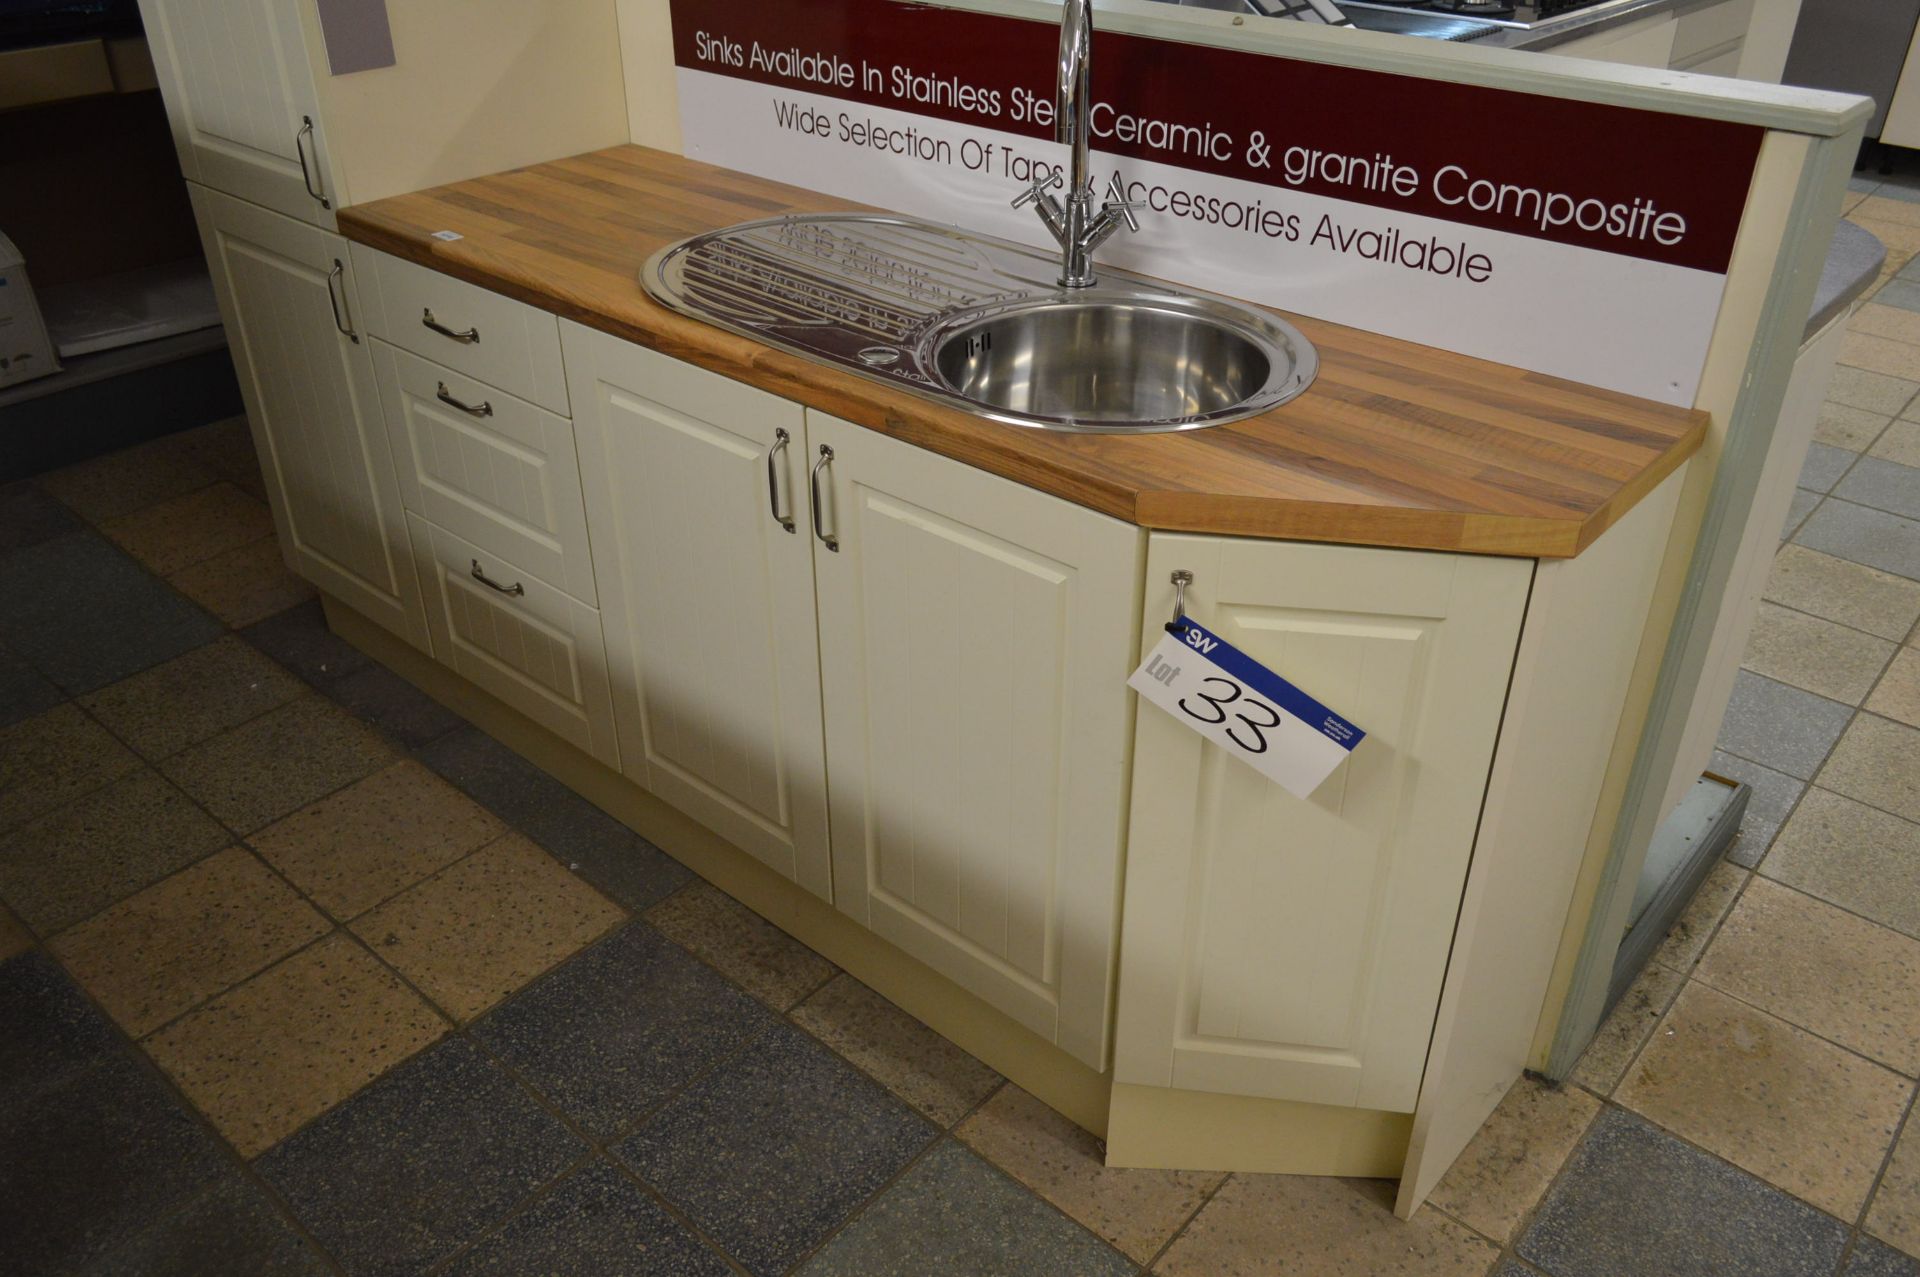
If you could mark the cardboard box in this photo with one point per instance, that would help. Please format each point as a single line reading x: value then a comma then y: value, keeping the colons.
x: 25, y: 351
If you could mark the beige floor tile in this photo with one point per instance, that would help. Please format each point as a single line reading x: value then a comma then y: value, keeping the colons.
x: 1798, y: 1112
x: 375, y: 838
x: 187, y: 530
x: 245, y: 585
x: 1506, y: 1169
x: 1687, y: 938
x: 1822, y: 968
x: 54, y: 758
x: 278, y: 763
x: 1898, y: 695
x: 1851, y: 593
x: 133, y: 479
x: 1853, y: 429
x: 1828, y: 659
x: 264, y: 1059
x: 1135, y: 1210
x: 1894, y: 1215
x: 186, y: 938
x: 1878, y: 762
x: 1881, y: 355
x: 1311, y: 1226
x: 484, y: 927
x: 1871, y: 391
x: 1888, y: 321
x: 14, y: 937
x: 764, y: 960
x: 932, y: 1074
x: 1881, y: 208
x: 72, y: 863
x: 226, y: 448
x: 1626, y: 1028
x: 1858, y: 858
x: 184, y: 701
x: 1900, y: 444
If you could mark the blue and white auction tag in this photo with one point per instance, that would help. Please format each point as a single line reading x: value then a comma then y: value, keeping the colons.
x: 1245, y: 708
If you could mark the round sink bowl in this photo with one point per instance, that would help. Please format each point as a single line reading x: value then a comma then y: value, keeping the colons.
x: 1108, y: 361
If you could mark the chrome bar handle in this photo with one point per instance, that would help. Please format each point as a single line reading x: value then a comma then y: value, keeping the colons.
x: 471, y: 337
x: 779, y: 447
x: 300, y: 140
x: 482, y: 409
x: 1117, y: 202
x: 831, y: 541
x: 1181, y: 580
x: 337, y: 274
x: 479, y: 574
x: 1040, y: 187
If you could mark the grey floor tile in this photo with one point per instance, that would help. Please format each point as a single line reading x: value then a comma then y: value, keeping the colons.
x: 1876, y: 1259
x: 1863, y: 535
x: 50, y: 1029
x: 232, y: 1229
x: 1884, y: 485
x: 1774, y: 794
x: 1824, y: 466
x: 85, y: 615
x: 1635, y: 1202
x: 770, y: 1153
x: 29, y: 516
x: 617, y: 1030
x: 1797, y: 512
x: 952, y: 1215
x: 93, y: 1160
x: 1781, y: 727
x: 588, y: 841
x: 595, y: 1224
x: 299, y: 639
x: 23, y: 693
x: 421, y: 1162
x: 1904, y: 293
x: 379, y: 696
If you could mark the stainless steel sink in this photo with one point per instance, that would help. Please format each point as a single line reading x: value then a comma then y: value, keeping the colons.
x: 978, y: 323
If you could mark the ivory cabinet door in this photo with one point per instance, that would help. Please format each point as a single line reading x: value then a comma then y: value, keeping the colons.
x: 288, y: 302
x: 241, y: 99
x: 975, y: 641
x: 1294, y: 948
x: 706, y: 598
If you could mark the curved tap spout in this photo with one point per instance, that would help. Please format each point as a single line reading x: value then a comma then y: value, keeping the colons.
x: 1072, y: 102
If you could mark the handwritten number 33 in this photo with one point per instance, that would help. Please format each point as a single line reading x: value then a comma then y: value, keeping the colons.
x: 1219, y: 704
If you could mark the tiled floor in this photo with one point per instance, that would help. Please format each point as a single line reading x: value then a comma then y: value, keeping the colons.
x: 301, y: 974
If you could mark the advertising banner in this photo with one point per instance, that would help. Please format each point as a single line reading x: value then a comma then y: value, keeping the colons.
x: 1582, y: 240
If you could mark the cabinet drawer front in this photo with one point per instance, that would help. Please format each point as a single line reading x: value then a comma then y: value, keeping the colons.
x: 531, y: 645
x: 488, y: 467
x: 500, y: 341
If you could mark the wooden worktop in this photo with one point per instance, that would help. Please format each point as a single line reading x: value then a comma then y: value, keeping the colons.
x: 1394, y: 444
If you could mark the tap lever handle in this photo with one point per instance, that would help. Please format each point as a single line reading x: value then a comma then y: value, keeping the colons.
x: 1041, y: 186
x: 1117, y: 202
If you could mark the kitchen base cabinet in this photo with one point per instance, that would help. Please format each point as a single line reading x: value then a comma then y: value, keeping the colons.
x: 706, y: 594
x: 975, y: 638
x: 288, y: 300
x: 1293, y: 948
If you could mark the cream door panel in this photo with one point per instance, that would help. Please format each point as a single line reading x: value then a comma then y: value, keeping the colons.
x: 533, y: 646
x: 286, y: 295
x: 240, y: 96
x: 1295, y: 949
x: 707, y: 598
x: 488, y: 467
x: 976, y: 637
x: 491, y: 338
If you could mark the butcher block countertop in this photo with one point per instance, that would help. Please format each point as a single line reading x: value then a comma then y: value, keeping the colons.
x: 1393, y: 444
